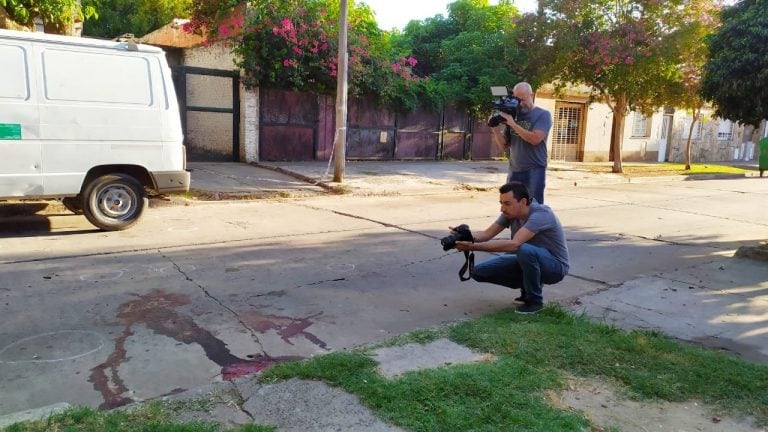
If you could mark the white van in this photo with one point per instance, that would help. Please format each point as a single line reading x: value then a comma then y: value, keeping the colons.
x: 95, y: 123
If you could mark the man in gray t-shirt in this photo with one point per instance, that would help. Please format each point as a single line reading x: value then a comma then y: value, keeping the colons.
x: 537, y: 253
x: 525, y: 138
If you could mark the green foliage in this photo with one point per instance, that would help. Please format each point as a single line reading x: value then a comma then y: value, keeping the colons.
x: 293, y: 44
x: 735, y: 76
x: 57, y: 15
x: 117, y: 17
x: 465, y: 53
x: 626, y: 51
x: 623, y: 50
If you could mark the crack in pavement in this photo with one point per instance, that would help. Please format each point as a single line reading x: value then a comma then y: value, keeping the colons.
x: 241, y: 401
x: 384, y: 224
x: 219, y: 302
x: 179, y: 246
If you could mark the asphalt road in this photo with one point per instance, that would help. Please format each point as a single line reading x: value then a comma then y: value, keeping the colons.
x: 198, y: 292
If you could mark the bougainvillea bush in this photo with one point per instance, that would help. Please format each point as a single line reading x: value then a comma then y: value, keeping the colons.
x: 292, y: 44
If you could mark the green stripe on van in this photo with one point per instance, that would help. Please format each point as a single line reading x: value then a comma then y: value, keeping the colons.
x: 10, y: 131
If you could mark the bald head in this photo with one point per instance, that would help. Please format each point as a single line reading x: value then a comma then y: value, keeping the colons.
x: 524, y: 92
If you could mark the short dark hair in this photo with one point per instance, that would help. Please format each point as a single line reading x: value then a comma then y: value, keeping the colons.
x: 519, y: 191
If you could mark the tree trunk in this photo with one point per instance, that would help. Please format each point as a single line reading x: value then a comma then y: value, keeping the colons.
x: 617, y: 136
x: 689, y: 144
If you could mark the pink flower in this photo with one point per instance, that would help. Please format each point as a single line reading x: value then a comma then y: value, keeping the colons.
x: 395, y: 67
x: 224, y: 31
x: 297, y: 50
x: 412, y: 61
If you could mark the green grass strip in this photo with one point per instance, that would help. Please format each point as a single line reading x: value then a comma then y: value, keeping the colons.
x: 533, y: 354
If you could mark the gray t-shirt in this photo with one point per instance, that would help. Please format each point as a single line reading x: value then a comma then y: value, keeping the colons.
x: 549, y: 233
x: 523, y: 155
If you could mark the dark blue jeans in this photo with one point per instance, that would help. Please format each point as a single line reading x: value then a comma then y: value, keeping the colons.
x: 528, y: 269
x: 534, y: 179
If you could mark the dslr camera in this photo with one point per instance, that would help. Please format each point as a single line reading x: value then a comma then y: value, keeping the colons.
x: 460, y: 233
x: 506, y: 103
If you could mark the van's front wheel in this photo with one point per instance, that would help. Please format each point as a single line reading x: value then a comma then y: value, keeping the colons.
x: 114, y: 202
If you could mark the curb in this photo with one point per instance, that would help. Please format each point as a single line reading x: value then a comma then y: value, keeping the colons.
x: 10, y: 209
x: 301, y: 177
x: 33, y: 414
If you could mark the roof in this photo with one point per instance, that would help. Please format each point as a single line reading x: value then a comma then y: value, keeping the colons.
x: 172, y: 35
x: 72, y: 40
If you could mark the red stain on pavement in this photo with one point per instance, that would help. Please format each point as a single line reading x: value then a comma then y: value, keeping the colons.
x: 156, y: 311
x: 286, y: 327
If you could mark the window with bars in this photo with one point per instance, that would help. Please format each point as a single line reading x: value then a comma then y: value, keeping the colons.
x: 696, y: 129
x: 725, y: 130
x: 641, y: 125
x: 566, y: 132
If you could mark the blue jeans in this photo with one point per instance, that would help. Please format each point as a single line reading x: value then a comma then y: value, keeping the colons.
x: 528, y: 269
x: 534, y: 179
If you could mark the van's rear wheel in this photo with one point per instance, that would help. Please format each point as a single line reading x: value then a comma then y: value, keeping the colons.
x: 114, y: 202
x: 73, y: 204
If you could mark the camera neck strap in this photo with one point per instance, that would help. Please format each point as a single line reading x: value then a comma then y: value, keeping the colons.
x: 469, y: 264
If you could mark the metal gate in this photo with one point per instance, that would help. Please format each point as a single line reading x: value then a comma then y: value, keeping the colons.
x: 568, y: 132
x: 209, y: 103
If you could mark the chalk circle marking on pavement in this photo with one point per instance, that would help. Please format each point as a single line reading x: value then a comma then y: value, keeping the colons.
x: 177, y: 228
x: 52, y: 347
x: 102, y: 276
x: 342, y: 268
x: 183, y: 267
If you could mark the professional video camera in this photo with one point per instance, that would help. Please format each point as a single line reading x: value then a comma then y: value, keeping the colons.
x: 507, y: 103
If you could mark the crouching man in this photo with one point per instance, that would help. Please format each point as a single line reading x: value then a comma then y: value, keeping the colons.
x: 537, y: 253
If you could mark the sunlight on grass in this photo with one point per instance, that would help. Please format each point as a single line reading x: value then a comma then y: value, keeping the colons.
x: 535, y: 353
x: 665, y: 169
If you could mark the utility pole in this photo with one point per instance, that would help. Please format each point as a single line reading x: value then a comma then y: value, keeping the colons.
x: 340, y: 140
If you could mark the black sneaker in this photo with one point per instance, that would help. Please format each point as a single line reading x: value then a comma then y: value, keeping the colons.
x: 529, y: 308
x: 521, y: 299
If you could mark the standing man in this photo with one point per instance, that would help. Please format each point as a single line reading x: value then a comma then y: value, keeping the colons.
x: 526, y: 139
x: 537, y: 253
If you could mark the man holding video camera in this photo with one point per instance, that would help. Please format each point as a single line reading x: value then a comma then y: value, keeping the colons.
x: 525, y: 136
x: 537, y: 253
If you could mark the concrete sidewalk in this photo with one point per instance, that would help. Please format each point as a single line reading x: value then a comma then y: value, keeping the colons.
x: 365, y: 178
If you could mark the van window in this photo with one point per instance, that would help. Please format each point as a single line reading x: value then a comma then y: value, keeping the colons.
x: 92, y: 77
x: 14, y: 82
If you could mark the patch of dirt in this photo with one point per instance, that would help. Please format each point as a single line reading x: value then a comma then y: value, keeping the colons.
x: 608, y: 409
x: 759, y: 252
x: 466, y: 187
